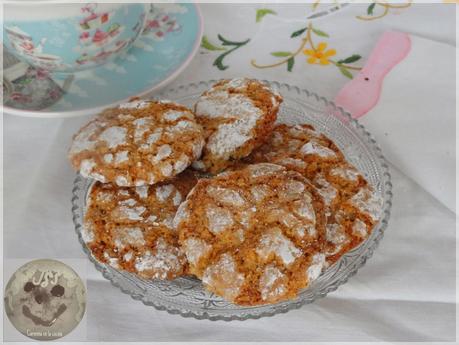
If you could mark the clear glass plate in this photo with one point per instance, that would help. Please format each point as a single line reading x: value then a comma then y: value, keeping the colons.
x: 186, y: 296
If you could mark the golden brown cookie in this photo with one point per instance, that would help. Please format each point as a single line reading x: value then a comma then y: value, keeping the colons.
x: 237, y: 116
x: 299, y: 148
x: 138, y: 143
x: 352, y: 206
x: 253, y: 235
x: 131, y: 228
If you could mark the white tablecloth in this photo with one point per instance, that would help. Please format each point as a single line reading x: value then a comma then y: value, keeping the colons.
x: 405, y: 292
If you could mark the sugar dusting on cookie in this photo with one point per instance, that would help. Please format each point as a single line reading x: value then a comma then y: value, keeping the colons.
x: 275, y: 242
x: 224, y: 277
x: 269, y: 283
x: 369, y: 202
x: 138, y: 143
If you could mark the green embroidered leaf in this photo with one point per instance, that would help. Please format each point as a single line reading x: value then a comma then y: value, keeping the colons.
x: 281, y: 54
x: 263, y: 12
x: 205, y: 43
x: 350, y: 59
x: 345, y: 72
x: 236, y: 45
x: 297, y: 33
x: 226, y: 42
x: 290, y: 63
x: 371, y: 8
x: 219, y: 63
x: 320, y: 33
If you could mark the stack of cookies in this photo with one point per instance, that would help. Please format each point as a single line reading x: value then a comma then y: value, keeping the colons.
x: 255, y: 210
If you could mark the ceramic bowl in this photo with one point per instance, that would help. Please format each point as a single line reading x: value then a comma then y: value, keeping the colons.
x: 70, y: 37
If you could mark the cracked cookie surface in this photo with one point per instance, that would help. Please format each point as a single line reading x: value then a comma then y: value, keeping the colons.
x: 352, y: 205
x: 237, y: 115
x: 253, y: 235
x: 137, y: 143
x: 131, y: 228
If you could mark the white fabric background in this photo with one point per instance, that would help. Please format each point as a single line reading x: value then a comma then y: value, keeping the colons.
x: 405, y: 292
x: 419, y: 137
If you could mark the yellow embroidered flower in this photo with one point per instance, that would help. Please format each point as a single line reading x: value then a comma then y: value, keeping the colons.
x: 320, y: 54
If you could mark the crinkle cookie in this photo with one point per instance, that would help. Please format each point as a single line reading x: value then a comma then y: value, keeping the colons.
x: 352, y: 206
x: 253, y: 235
x: 237, y: 116
x: 354, y: 209
x: 131, y: 228
x: 138, y: 143
x: 300, y: 148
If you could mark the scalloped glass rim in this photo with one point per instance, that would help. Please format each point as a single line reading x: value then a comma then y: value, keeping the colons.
x: 185, y: 296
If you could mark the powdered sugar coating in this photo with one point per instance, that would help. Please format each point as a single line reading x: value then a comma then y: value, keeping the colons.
x: 134, y: 225
x: 258, y: 216
x: 226, y: 196
x: 111, y: 260
x: 130, y: 213
x: 173, y: 115
x: 318, y: 263
x: 325, y: 189
x: 124, y: 236
x: 271, y: 285
x: 177, y: 199
x: 264, y: 169
x: 304, y: 209
x: 274, y: 242
x: 87, y: 233
x: 224, y: 278
x: 141, y: 142
x: 181, y: 164
x: 218, y: 219
x: 142, y: 126
x: 142, y: 191
x: 298, y: 131
x: 108, y: 158
x: 114, y: 136
x: 313, y: 148
x: 163, y: 192
x: 87, y: 167
x: 121, y: 181
x: 166, y: 169
x: 299, y: 148
x: 121, y: 157
x: 234, y: 119
x: 229, y: 137
x: 84, y: 139
x: 194, y: 249
x: 165, y: 259
x: 182, y: 214
x: 291, y: 161
x: 259, y: 192
x: 336, y: 234
x: 369, y: 202
x: 352, y: 208
x: 359, y: 228
x: 164, y: 151
x: 347, y: 173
